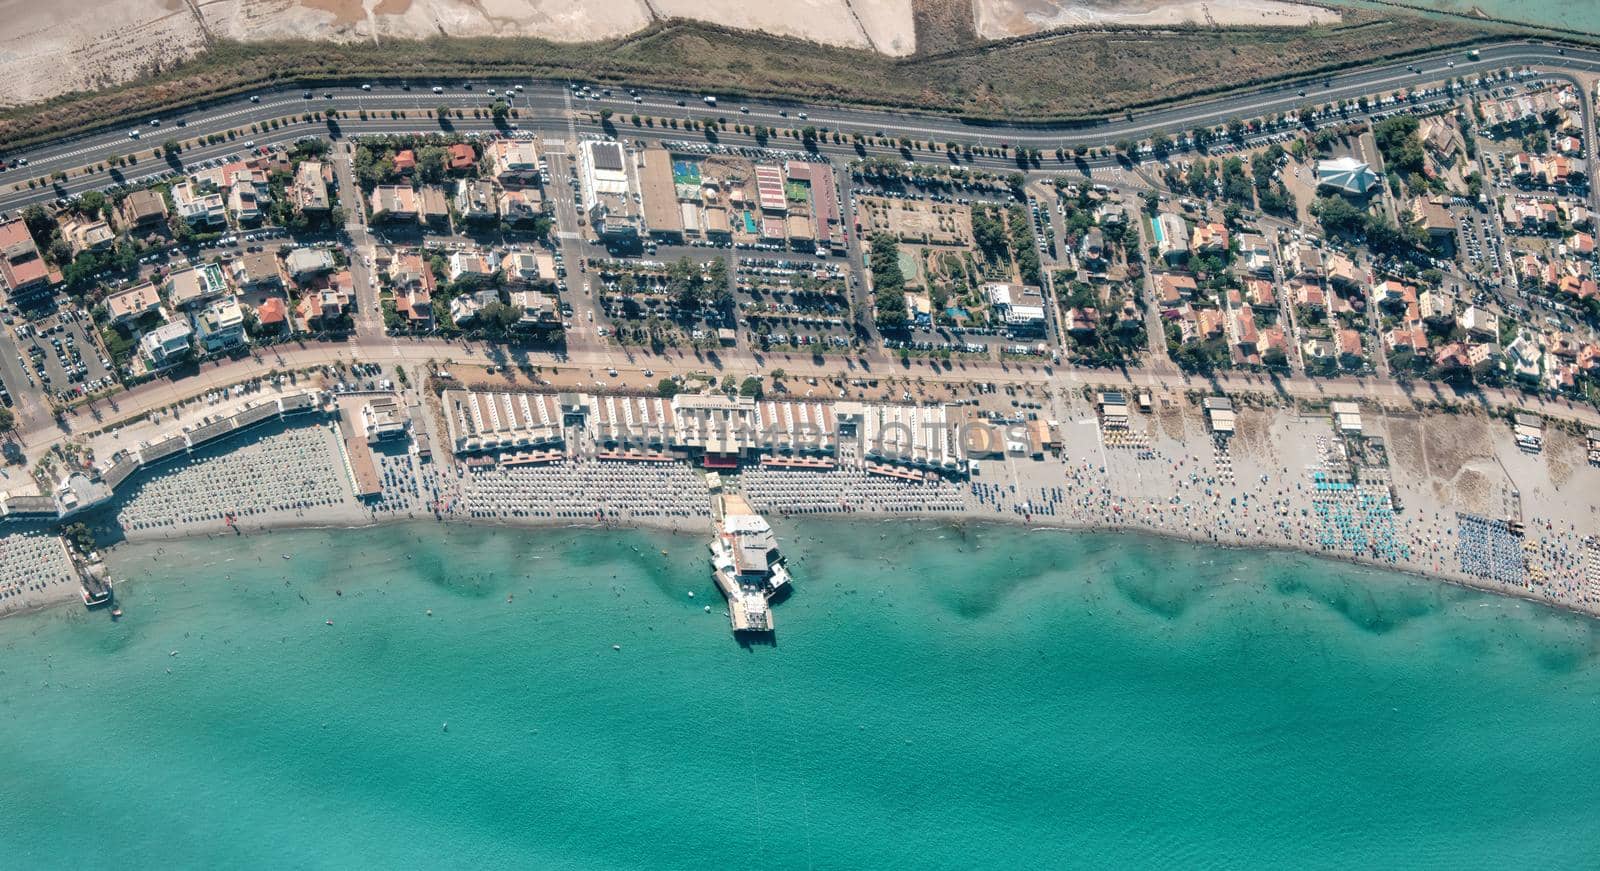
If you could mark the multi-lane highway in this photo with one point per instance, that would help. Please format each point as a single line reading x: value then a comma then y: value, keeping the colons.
x: 547, y: 109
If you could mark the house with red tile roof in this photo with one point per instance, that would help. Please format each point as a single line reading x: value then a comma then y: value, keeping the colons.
x: 1348, y: 344
x: 273, y: 312
x: 461, y: 156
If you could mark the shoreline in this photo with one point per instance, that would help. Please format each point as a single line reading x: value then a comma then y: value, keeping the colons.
x: 677, y: 525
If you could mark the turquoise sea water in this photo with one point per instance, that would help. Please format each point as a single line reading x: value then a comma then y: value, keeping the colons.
x: 936, y: 698
x: 1581, y: 15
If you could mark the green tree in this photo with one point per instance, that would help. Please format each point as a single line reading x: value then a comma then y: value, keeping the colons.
x: 431, y: 163
x: 888, y: 284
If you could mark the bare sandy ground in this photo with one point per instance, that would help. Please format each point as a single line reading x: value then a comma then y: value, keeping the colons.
x: 881, y: 25
x: 998, y: 19
x: 247, y: 20
x: 51, y: 49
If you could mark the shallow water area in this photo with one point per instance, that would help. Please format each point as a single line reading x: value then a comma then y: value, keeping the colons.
x: 936, y: 696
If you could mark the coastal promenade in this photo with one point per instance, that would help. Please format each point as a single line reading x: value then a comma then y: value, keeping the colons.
x: 589, y: 366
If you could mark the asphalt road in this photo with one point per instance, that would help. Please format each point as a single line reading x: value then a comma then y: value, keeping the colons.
x: 546, y: 107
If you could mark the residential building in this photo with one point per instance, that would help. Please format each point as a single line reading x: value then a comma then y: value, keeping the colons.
x: 1437, y: 308
x: 1172, y: 289
x: 1410, y: 337
x: 1483, y: 357
x: 244, y: 201
x: 142, y: 209
x: 165, y: 345
x: 460, y: 156
x: 1209, y: 238
x: 326, y: 300
x: 82, y: 235
x: 255, y: 271
x: 476, y: 199
x: 1080, y: 323
x: 465, y: 307
x: 310, y: 192
x: 220, y: 325
x: 394, y: 203
x: 272, y: 314
x: 198, y: 207
x: 1245, y: 335
x: 411, y: 269
x: 1524, y: 358
x: 528, y: 268
x: 1260, y: 293
x: 1171, y: 236
x: 1348, y: 344
x: 414, y: 303
x: 1092, y: 249
x: 521, y: 207
x: 435, y: 207
x: 303, y: 264
x: 1480, y: 323
x: 1343, y: 273
x: 23, y: 271
x: 132, y: 304
x: 194, y: 286
x: 1303, y: 261
x: 534, y: 308
x: 1452, y: 360
x: 1394, y: 295
x: 468, y: 263
x: 514, y: 161
x: 1256, y: 254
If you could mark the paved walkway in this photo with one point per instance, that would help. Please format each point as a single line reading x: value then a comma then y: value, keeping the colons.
x: 631, y: 362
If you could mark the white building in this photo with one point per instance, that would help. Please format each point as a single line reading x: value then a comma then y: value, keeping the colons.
x: 220, y: 325
x: 610, y: 198
x: 1346, y: 175
x: 165, y: 344
x: 197, y: 207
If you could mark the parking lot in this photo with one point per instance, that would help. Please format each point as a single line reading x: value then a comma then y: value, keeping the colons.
x: 59, y: 355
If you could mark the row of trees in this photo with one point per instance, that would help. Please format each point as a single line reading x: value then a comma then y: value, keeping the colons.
x: 888, y: 284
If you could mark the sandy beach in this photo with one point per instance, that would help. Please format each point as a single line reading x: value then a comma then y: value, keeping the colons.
x: 1427, y: 494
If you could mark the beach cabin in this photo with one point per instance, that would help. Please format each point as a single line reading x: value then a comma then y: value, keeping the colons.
x: 1529, y: 430
x: 1346, y: 417
x: 1219, y: 412
x: 1113, y: 409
